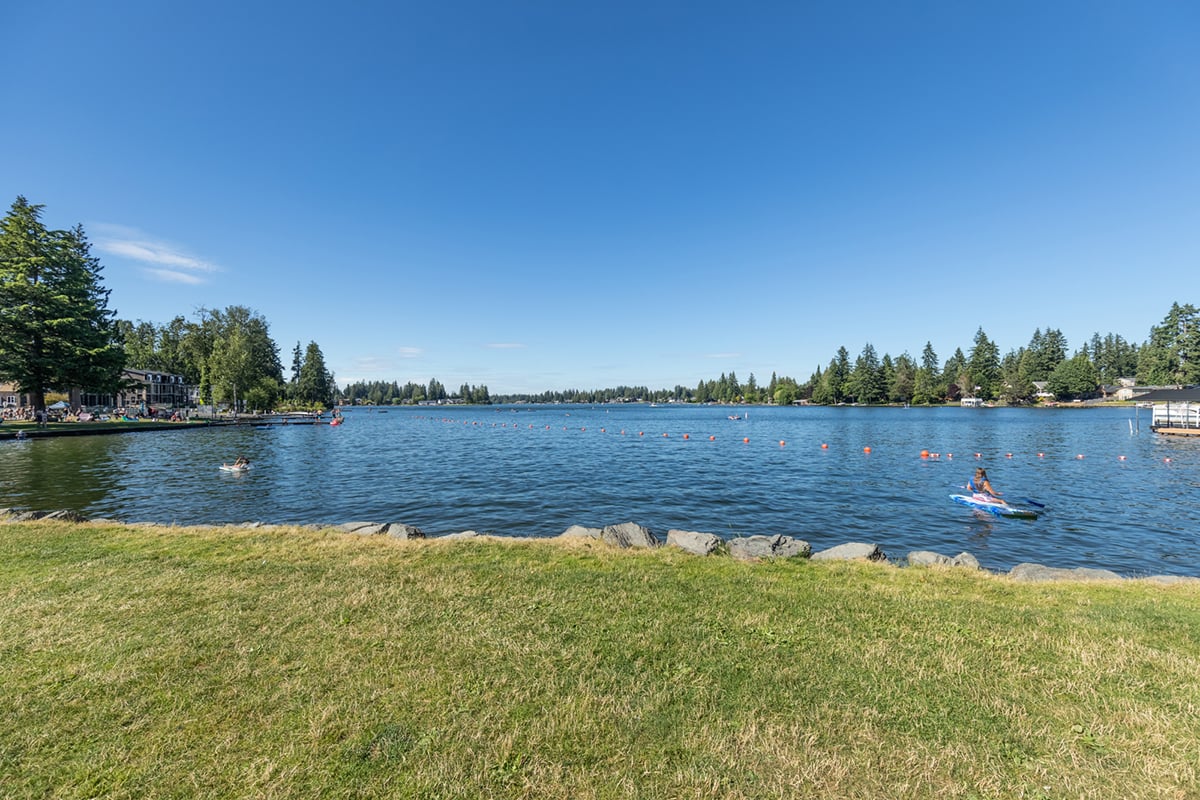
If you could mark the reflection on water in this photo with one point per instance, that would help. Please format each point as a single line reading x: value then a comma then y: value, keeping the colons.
x: 535, y: 471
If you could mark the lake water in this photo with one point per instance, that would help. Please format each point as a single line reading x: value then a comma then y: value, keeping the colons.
x: 1115, y: 498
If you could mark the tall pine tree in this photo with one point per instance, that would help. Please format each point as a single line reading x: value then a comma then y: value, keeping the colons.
x: 56, y: 331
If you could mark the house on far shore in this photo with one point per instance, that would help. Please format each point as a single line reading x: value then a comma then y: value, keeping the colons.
x: 1175, y: 411
x: 1040, y: 395
x: 12, y: 397
x: 142, y: 387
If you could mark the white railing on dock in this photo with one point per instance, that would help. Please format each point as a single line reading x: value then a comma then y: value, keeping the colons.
x: 1176, y: 415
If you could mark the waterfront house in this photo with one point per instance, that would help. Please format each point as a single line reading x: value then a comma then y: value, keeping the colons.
x: 142, y: 388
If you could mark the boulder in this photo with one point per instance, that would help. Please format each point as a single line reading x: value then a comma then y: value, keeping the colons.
x: 363, y: 528
x: 1038, y: 572
x: 580, y: 532
x: 965, y: 559
x: 398, y: 530
x: 701, y: 544
x: 851, y: 551
x: 628, y: 534
x: 746, y: 548
x: 927, y: 558
x: 461, y: 535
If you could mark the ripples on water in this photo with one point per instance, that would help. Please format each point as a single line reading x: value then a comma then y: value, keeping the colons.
x: 536, y: 470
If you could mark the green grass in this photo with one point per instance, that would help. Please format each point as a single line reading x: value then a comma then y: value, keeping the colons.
x: 148, y: 662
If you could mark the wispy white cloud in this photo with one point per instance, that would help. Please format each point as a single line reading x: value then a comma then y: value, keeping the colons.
x: 410, y: 352
x: 723, y: 355
x: 173, y: 276
x: 161, y: 260
x: 505, y: 346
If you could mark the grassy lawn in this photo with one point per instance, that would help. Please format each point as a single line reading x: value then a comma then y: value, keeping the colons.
x: 147, y: 662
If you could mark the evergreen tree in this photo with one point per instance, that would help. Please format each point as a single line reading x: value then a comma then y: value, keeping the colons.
x: 314, y: 384
x: 297, y: 363
x: 865, y: 383
x: 925, y: 382
x: 56, y: 331
x: 1172, y: 355
x: 955, y: 376
x: 904, y: 379
x: 983, y: 367
x: 1044, y: 353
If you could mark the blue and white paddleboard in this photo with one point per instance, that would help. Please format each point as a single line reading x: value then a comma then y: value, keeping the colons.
x: 1000, y: 509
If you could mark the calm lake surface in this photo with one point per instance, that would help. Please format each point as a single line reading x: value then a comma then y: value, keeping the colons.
x: 1130, y: 503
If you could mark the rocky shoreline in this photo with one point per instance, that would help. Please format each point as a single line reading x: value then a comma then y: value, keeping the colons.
x: 632, y: 535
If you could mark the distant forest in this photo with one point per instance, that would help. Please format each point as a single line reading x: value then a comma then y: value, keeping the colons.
x: 1169, y: 356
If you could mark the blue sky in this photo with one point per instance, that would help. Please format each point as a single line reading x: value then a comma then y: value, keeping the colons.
x: 549, y: 195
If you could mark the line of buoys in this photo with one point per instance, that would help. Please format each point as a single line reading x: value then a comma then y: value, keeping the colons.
x: 925, y: 454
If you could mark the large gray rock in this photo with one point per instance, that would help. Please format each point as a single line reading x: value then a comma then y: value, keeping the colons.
x: 746, y: 548
x: 851, y: 551
x: 580, y: 532
x: 701, y: 544
x: 928, y: 558
x: 1038, y: 572
x: 462, y: 535
x: 363, y: 528
x: 628, y: 534
x: 399, y: 530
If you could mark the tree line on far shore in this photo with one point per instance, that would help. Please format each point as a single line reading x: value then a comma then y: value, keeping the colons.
x: 57, y: 333
x: 1170, y: 356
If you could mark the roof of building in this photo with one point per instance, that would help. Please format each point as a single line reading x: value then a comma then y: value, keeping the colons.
x: 1188, y: 395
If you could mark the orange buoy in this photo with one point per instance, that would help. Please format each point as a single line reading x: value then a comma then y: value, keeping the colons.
x: 782, y: 443
x: 712, y: 438
x: 1008, y: 455
x: 924, y: 454
x: 949, y: 455
x: 1041, y: 455
x: 979, y: 455
x: 1079, y: 456
x: 664, y: 436
x: 824, y: 446
x: 686, y: 436
x: 641, y: 433
x: 746, y: 440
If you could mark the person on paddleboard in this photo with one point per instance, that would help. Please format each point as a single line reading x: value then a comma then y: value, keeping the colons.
x: 981, y: 486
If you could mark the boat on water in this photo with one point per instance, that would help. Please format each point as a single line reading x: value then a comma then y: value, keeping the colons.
x: 997, y: 507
